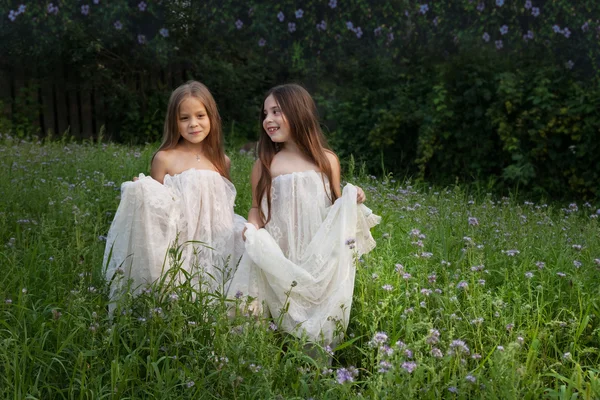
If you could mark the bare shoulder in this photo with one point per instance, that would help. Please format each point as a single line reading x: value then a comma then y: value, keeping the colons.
x: 160, y: 164
x: 227, y: 162
x: 333, y: 159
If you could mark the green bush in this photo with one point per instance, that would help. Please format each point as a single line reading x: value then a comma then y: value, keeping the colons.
x: 480, y: 90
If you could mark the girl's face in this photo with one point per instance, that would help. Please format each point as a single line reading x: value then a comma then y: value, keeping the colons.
x: 275, y: 123
x: 192, y: 120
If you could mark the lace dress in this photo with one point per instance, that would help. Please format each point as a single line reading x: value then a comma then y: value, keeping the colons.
x: 304, y: 259
x: 191, y: 207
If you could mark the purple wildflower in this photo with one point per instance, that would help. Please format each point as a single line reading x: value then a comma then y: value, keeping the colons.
x: 503, y: 29
x: 239, y: 24
x: 85, y: 9
x: 453, y: 389
x: 384, y: 366
x: 379, y: 338
x: 471, y: 378
x: 299, y: 13
x: 540, y: 264
x: 409, y: 366
x: 569, y: 64
x: 528, y: 5
x: 535, y: 11
x: 333, y: 3
x: 585, y: 27
x: 272, y: 326
x: 472, y: 220
x: 480, y: 6
x: 142, y: 6
x: 118, y: 25
x: 437, y: 353
x: 577, y: 263
x: 164, y: 32
x: 262, y: 42
x: 434, y: 336
x: 566, y: 32
x: 556, y: 29
x: 528, y: 275
x: 387, y: 287
x: 561, y: 274
x: 462, y: 285
x: 499, y: 3
x: 423, y: 8
x: 350, y: 25
x: 280, y: 16
x: 458, y: 346
x: 322, y: 26
x: 499, y: 44
x: 291, y: 27
x: 141, y: 39
x: 358, y: 32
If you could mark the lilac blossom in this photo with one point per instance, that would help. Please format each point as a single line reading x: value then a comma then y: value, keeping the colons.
x: 387, y: 288
x: 118, y: 25
x: 384, y: 366
x: 503, y: 29
x: 333, y: 3
x: 556, y: 29
x: 528, y: 5
x: 480, y: 6
x: 462, y: 285
x: 85, y: 9
x: 291, y: 27
x: 358, y: 32
x: 350, y: 25
x: 239, y: 24
x: 499, y: 44
x: 471, y: 378
x: 423, y: 8
x: 577, y: 263
x: 472, y: 220
x: 142, y: 6
x: 280, y: 16
x: 528, y: 275
x: 52, y: 9
x: 299, y: 13
x: 262, y: 42
x: 322, y: 26
x: 535, y: 11
x: 540, y: 264
x: 344, y: 375
x: 566, y: 32
x: 164, y: 32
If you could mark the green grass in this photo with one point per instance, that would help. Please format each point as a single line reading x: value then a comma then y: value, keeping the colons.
x: 527, y: 336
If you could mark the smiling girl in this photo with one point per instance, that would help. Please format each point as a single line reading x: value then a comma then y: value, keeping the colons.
x: 188, y: 199
x: 300, y: 267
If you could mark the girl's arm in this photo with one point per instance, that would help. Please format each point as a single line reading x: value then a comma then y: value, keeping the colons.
x: 158, y: 170
x: 335, y: 174
x: 228, y: 165
x: 254, y: 213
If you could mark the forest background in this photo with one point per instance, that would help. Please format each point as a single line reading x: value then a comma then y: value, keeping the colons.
x: 503, y: 93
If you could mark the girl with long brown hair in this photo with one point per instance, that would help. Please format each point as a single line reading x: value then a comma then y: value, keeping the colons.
x: 303, y: 260
x: 188, y: 200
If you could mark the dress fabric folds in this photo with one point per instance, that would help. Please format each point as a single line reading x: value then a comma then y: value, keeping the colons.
x: 192, y: 207
x: 303, y: 261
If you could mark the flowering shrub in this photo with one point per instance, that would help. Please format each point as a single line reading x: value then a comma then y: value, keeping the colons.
x: 468, y: 88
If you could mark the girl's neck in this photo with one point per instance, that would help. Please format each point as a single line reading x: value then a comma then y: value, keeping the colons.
x: 196, y: 148
x: 291, y: 147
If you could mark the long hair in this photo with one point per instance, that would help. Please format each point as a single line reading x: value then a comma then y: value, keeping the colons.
x: 300, y: 111
x: 213, y: 143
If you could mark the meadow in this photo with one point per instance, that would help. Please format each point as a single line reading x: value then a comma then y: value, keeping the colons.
x: 467, y: 295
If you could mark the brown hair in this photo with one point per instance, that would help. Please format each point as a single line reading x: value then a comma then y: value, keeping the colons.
x: 300, y: 111
x: 213, y: 149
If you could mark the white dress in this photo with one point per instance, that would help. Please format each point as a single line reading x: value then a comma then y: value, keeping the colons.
x: 193, y: 206
x: 304, y: 259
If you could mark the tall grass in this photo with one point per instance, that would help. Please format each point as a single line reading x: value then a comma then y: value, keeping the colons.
x: 462, y: 298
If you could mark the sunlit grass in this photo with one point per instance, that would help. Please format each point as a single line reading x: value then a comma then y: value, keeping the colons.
x: 462, y: 298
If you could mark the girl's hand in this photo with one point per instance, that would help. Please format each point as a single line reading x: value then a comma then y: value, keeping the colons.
x: 360, y: 195
x: 245, y: 229
x: 135, y: 178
